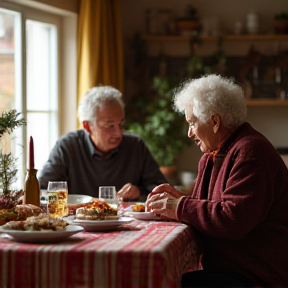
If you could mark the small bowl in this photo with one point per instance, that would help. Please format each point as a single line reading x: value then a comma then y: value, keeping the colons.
x: 74, y: 199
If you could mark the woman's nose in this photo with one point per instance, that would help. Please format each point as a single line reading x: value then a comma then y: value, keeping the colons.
x: 190, y: 132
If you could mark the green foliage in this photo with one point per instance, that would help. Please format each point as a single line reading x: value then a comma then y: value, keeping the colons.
x: 281, y: 16
x: 191, y: 12
x: 8, y: 171
x: 8, y: 122
x: 198, y: 66
x: 162, y: 129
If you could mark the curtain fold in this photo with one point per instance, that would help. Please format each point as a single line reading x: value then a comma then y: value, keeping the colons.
x: 100, y: 45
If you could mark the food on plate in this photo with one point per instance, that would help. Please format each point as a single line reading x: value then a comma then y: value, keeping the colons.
x: 138, y: 208
x: 97, y: 210
x: 19, y: 213
x: 37, y: 223
x: 76, y: 201
x: 11, y: 199
x: 73, y: 207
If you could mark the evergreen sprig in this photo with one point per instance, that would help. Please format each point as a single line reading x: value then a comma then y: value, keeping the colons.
x: 8, y: 171
x: 9, y: 121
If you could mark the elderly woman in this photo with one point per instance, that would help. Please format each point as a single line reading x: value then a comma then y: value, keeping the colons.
x: 240, y: 198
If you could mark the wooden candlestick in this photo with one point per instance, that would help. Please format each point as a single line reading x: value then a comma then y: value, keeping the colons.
x: 32, y: 188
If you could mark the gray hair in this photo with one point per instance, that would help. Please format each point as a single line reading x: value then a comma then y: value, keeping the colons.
x: 97, y: 97
x: 212, y: 94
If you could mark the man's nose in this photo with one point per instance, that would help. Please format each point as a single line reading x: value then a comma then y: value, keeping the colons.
x: 118, y: 130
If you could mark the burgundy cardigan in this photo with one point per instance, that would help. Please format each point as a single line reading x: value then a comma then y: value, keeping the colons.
x: 242, y: 220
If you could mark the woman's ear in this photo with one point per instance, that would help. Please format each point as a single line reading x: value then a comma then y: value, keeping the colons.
x: 86, y: 126
x: 216, y: 122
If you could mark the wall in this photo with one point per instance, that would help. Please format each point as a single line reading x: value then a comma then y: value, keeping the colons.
x: 69, y: 5
x: 48, y: 5
x: 271, y: 121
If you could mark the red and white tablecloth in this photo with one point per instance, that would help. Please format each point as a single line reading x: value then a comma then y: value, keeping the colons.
x: 142, y: 254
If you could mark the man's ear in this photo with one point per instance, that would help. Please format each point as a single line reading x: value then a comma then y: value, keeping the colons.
x: 216, y: 122
x: 86, y: 126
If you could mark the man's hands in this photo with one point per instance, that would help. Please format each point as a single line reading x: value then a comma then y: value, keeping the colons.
x: 129, y: 191
x: 164, y: 201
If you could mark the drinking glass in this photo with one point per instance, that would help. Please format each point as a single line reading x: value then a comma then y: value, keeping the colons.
x: 57, y: 194
x: 108, y: 194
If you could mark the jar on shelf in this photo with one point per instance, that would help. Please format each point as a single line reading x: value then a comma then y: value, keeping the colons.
x: 252, y: 23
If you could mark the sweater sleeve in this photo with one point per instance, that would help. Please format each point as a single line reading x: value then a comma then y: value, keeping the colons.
x: 241, y: 198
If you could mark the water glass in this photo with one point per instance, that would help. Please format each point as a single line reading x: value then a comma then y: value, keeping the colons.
x: 57, y: 194
x: 108, y: 194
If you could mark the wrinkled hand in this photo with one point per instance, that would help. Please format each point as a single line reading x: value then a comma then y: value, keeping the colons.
x: 129, y: 191
x: 164, y: 204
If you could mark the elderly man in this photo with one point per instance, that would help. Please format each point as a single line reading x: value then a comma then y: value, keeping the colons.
x: 101, y: 154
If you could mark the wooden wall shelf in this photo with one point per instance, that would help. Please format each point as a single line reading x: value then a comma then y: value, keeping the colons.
x: 256, y: 102
x: 260, y: 37
x: 267, y: 103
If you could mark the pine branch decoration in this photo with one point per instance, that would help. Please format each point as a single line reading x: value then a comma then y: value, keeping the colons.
x: 8, y: 171
x: 9, y: 121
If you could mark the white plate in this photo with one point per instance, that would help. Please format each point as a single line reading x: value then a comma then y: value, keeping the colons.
x: 142, y: 215
x: 74, y: 199
x: 43, y: 236
x: 102, y: 225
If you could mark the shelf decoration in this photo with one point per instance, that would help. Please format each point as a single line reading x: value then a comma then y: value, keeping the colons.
x: 190, y: 24
x: 281, y: 23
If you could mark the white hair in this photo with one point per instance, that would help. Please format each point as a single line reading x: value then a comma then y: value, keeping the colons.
x: 212, y: 94
x: 95, y: 98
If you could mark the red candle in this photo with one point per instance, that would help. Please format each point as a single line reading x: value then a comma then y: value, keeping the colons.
x: 31, y: 154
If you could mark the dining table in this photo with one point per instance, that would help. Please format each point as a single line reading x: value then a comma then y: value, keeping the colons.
x: 141, y: 253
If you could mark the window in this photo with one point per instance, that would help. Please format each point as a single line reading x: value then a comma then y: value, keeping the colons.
x: 41, y: 87
x: 30, y: 65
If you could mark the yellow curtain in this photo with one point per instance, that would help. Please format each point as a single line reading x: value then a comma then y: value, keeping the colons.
x: 100, y: 46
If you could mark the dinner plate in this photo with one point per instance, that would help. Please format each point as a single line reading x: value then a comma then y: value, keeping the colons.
x: 142, y: 215
x: 102, y: 225
x: 43, y: 236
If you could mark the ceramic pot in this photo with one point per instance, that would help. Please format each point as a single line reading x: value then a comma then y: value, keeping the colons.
x: 281, y: 26
x: 187, y: 26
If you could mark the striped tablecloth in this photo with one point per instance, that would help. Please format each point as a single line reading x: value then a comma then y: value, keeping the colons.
x: 142, y: 254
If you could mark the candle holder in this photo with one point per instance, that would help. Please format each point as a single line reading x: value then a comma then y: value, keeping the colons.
x: 32, y: 188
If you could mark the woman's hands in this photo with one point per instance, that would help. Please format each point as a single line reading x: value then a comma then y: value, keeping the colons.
x: 164, y: 200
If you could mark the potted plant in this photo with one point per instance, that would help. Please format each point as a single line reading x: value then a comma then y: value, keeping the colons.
x: 162, y: 128
x: 281, y: 23
x: 190, y: 24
